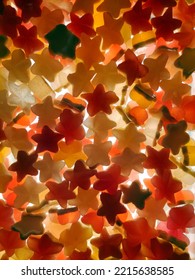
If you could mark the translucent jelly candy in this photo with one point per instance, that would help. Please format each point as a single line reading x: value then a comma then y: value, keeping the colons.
x: 47, y: 140
x: 60, y: 192
x: 27, y: 40
x: 24, y: 165
x: 135, y: 194
x: 79, y: 176
x: 29, y: 224
x: 132, y: 62
x: 109, y: 179
x: 108, y: 245
x: 30, y: 8
x: 18, y: 66
x: 111, y: 206
x: 62, y: 41
x: 131, y: 17
x: 43, y: 59
x: 9, y: 22
x: 113, y: 8
x: 128, y: 160
x: 99, y: 100
x: 110, y: 24
x: 84, y: 51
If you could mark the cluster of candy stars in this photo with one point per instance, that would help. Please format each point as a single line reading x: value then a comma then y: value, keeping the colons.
x: 97, y: 142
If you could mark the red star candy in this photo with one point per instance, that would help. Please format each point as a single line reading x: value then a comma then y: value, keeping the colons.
x: 70, y: 126
x: 99, y: 100
x: 111, y: 206
x: 109, y: 179
x: 24, y: 165
x: 27, y: 40
x: 47, y: 140
x: 79, y: 176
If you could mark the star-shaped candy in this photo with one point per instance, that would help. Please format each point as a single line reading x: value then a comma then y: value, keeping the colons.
x: 161, y: 23
x: 187, y: 105
x: 91, y: 218
x: 70, y: 125
x: 70, y: 153
x: 98, y: 153
x: 60, y: 192
x: 28, y: 192
x: 113, y: 7
x: 128, y: 160
x: 158, y: 6
x: 157, y: 70
x: 158, y: 160
x: 100, y: 100
x: 18, y: 66
x: 186, y: 61
x: 45, y: 65
x: 138, y: 18
x: 79, y: 25
x: 5, y: 178
x: 10, y: 241
x: 86, y: 200
x: 161, y: 250
x: 110, y: 31
x: 27, y: 40
x: 132, y: 67
x: 108, y: 245
x: 185, y: 11
x: 21, y: 96
x: 6, y: 215
x: 24, y: 165
x: 30, y: 8
x: 153, y: 210
x: 176, y: 136
x: 62, y: 41
x: 181, y: 217
x: 47, y: 140
x: 108, y: 75
x: 99, y: 126
x: 75, y: 237
x: 48, y: 20
x: 79, y: 176
x: 129, y: 137
x: 174, y: 88
x: 6, y: 110
x: 46, y: 112
x: 4, y: 51
x: 109, y: 179
x: 49, y: 169
x: 84, y: 51
x: 29, y: 224
x: 138, y: 231
x: 111, y: 206
x: 86, y: 6
x: 135, y: 194
x: 166, y: 186
x: 18, y: 138
x: 44, y: 247
x: 9, y: 21
x: 81, y: 79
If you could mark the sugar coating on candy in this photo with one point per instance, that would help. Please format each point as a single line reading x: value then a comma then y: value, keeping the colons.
x: 97, y: 116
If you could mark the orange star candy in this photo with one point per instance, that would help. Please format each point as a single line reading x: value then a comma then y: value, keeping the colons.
x: 110, y: 31
x: 84, y: 51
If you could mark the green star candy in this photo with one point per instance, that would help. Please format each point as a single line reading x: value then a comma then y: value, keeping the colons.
x: 62, y: 41
x: 186, y: 62
x: 4, y: 51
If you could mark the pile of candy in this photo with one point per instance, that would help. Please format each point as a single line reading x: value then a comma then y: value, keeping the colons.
x: 97, y: 129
